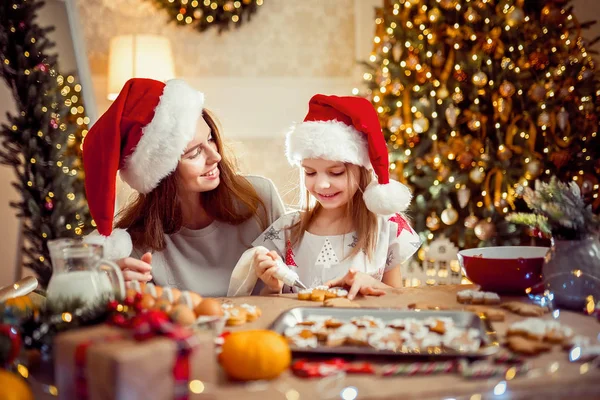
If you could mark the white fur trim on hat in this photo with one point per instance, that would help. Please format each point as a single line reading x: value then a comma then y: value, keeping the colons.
x: 390, y: 198
x: 116, y: 246
x: 330, y: 140
x: 165, y: 138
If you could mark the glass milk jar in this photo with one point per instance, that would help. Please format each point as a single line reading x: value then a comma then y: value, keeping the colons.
x: 80, y: 272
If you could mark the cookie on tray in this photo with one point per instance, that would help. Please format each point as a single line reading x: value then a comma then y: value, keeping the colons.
x: 524, y: 309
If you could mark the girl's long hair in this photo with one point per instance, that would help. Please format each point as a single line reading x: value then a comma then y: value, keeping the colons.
x: 360, y: 219
x: 149, y: 217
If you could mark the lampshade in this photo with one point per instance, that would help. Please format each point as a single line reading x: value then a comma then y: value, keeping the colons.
x: 138, y: 56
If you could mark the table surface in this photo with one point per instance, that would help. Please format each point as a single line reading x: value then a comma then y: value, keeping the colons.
x: 552, y: 375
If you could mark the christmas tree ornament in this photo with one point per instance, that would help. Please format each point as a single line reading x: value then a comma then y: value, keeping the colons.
x: 471, y: 221
x: 515, y: 16
x: 562, y: 118
x: 448, y: 4
x: 397, y: 51
x: 477, y: 175
x: 474, y: 123
x: 460, y: 75
x: 449, y: 215
x: 480, y: 79
x: 394, y: 123
x: 533, y: 169
x: 464, y: 159
x: 463, y: 195
x: 504, y: 153
x: 421, y: 125
x: 452, y: 112
x: 438, y: 59
x: 442, y: 92
x: 543, y: 119
x: 507, y: 89
x: 412, y: 61
x: 434, y: 14
x: 433, y: 222
x: 472, y: 16
x: 458, y: 96
x: 538, y: 60
x: 485, y: 229
x: 560, y: 158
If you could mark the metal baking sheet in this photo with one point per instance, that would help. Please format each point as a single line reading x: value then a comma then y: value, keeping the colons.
x: 461, y: 319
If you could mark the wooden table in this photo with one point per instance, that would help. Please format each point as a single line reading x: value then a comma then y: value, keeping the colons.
x: 552, y: 374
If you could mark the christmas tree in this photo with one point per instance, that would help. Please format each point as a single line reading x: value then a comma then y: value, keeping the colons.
x: 42, y: 142
x: 479, y: 98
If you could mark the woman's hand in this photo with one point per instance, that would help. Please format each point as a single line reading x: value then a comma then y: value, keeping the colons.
x: 264, y: 267
x: 136, y: 270
x: 359, y: 282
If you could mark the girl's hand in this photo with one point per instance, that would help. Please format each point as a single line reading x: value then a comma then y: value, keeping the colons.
x: 264, y: 267
x: 359, y: 282
x: 136, y: 270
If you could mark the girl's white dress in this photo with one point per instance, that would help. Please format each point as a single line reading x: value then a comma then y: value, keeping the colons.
x: 318, y: 259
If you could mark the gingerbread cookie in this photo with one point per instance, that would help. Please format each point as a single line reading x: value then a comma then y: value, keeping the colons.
x: 523, y: 309
x: 541, y: 330
x: 493, y: 314
x: 477, y: 297
x: 522, y: 345
x: 426, y: 306
x: 322, y: 293
x: 236, y: 316
x: 340, y: 302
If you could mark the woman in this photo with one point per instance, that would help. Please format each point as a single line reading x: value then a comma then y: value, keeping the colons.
x: 194, y: 215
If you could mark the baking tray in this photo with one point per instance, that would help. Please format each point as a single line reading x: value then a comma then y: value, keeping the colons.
x: 462, y: 319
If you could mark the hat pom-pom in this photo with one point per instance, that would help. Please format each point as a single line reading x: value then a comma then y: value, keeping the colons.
x: 386, y: 199
x: 116, y: 246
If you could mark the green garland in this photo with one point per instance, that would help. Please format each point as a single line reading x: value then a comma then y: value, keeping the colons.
x: 203, y: 14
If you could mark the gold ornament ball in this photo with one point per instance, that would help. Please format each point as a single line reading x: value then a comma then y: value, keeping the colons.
x: 515, y: 17
x: 485, y: 230
x: 543, y: 119
x: 434, y: 14
x: 449, y: 215
x: 507, y: 89
x: 438, y: 59
x: 394, y: 123
x: 421, y: 125
x: 474, y: 124
x: 504, y: 153
x: 472, y: 16
x: 476, y: 175
x: 471, y: 221
x: 443, y: 92
x: 433, y: 222
x: 533, y: 169
x: 458, y: 97
x: 480, y: 79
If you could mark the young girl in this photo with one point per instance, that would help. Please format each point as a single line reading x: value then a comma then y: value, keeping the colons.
x: 350, y: 231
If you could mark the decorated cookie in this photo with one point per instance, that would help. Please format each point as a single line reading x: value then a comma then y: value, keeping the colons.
x: 340, y: 302
x: 493, y: 314
x: 522, y: 345
x: 523, y: 309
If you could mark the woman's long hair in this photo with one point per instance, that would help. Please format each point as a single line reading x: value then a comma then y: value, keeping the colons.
x: 361, y: 220
x: 149, y: 217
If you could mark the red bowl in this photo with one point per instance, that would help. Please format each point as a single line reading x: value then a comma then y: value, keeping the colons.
x: 506, y: 269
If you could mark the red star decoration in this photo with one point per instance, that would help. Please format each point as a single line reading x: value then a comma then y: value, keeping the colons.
x: 289, y: 254
x: 402, y: 224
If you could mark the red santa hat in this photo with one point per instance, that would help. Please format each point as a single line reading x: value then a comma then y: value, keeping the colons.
x: 347, y: 129
x: 143, y: 135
